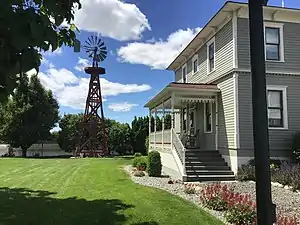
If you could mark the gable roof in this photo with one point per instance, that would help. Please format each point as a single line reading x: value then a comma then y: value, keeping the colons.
x: 215, y: 21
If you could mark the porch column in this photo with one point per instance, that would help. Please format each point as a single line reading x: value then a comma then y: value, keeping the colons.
x: 163, y: 124
x: 217, y: 123
x: 155, y: 113
x: 149, y: 122
x: 172, y: 119
x: 187, y: 118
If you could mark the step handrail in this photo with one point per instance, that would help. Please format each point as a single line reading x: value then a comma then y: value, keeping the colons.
x: 179, y: 148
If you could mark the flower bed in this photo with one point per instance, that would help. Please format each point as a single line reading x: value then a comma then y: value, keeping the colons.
x: 232, y: 202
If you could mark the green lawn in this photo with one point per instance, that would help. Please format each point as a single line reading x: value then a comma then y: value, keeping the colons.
x: 85, y: 192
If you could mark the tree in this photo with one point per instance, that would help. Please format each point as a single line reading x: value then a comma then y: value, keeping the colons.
x: 140, y: 131
x: 70, y: 131
x: 28, y: 27
x: 119, y: 137
x: 29, y: 114
x: 167, y: 121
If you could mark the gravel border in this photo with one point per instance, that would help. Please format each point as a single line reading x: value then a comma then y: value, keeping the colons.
x: 287, y: 201
x: 177, y: 188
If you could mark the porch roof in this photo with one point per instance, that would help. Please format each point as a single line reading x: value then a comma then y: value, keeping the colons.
x: 182, y: 89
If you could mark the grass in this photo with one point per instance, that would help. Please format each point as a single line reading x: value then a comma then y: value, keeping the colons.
x: 86, y: 192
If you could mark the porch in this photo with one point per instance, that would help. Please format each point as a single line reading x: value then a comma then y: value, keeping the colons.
x: 192, y: 109
x: 184, y: 128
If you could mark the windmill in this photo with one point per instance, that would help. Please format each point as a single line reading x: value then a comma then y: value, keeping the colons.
x: 92, y: 141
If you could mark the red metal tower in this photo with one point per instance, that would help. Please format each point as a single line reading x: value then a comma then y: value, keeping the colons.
x: 93, y: 139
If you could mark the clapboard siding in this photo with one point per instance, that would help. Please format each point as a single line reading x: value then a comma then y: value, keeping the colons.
x: 226, y: 114
x: 223, y: 60
x: 279, y: 140
x: 291, y: 34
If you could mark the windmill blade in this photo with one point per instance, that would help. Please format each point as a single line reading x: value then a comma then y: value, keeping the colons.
x: 96, y: 40
x: 99, y: 41
x: 102, y: 44
x: 103, y: 48
x: 87, y: 48
x: 89, y: 41
x: 102, y: 56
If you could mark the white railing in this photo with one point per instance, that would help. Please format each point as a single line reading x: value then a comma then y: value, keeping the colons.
x: 160, y: 138
x: 179, y: 150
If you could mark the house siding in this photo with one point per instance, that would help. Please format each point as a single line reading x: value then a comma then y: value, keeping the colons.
x: 291, y: 34
x: 279, y: 140
x: 223, y: 58
x: 226, y: 126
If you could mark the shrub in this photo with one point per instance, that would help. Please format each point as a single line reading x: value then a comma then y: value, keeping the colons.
x: 140, y: 163
x: 285, y: 220
x: 154, y: 164
x: 216, y: 197
x: 287, y: 174
x: 246, y: 172
x: 139, y: 173
x: 241, y: 213
x: 189, y: 190
x: 296, y: 146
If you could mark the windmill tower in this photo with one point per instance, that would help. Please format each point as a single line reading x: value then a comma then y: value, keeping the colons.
x: 93, y: 139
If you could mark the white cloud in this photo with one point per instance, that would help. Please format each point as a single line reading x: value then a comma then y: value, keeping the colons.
x: 50, y: 53
x: 157, y: 54
x: 121, y: 107
x: 71, y: 90
x: 112, y: 18
x: 81, y: 64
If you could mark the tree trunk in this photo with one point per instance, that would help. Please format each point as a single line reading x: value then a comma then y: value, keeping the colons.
x: 24, y: 153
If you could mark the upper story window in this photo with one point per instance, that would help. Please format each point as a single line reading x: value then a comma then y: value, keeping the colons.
x: 195, y: 64
x: 277, y: 107
x: 184, y: 74
x: 211, y: 55
x: 274, y: 42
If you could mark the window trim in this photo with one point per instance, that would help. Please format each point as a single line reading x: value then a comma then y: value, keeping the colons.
x: 212, y: 40
x: 195, y: 57
x: 211, y: 118
x: 281, y: 40
x: 184, y: 66
x: 284, y: 105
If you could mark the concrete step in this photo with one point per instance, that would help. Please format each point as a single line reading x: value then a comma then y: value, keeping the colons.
x: 209, y: 163
x: 203, y: 154
x: 209, y: 172
x: 207, y: 167
x: 204, y: 159
x: 193, y: 178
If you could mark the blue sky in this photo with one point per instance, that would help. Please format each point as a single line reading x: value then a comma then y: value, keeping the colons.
x: 142, y: 37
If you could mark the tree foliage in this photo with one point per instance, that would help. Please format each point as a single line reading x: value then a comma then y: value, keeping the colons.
x: 28, y: 27
x: 70, y: 130
x: 29, y: 114
x: 140, y: 131
x: 119, y: 137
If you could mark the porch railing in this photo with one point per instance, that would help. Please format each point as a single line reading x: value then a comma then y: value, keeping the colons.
x: 160, y: 138
x: 179, y: 149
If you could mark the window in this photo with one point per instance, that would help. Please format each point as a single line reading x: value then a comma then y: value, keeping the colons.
x: 211, y: 55
x: 184, y: 74
x: 277, y: 107
x: 274, y: 42
x: 208, y: 117
x: 195, y: 64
